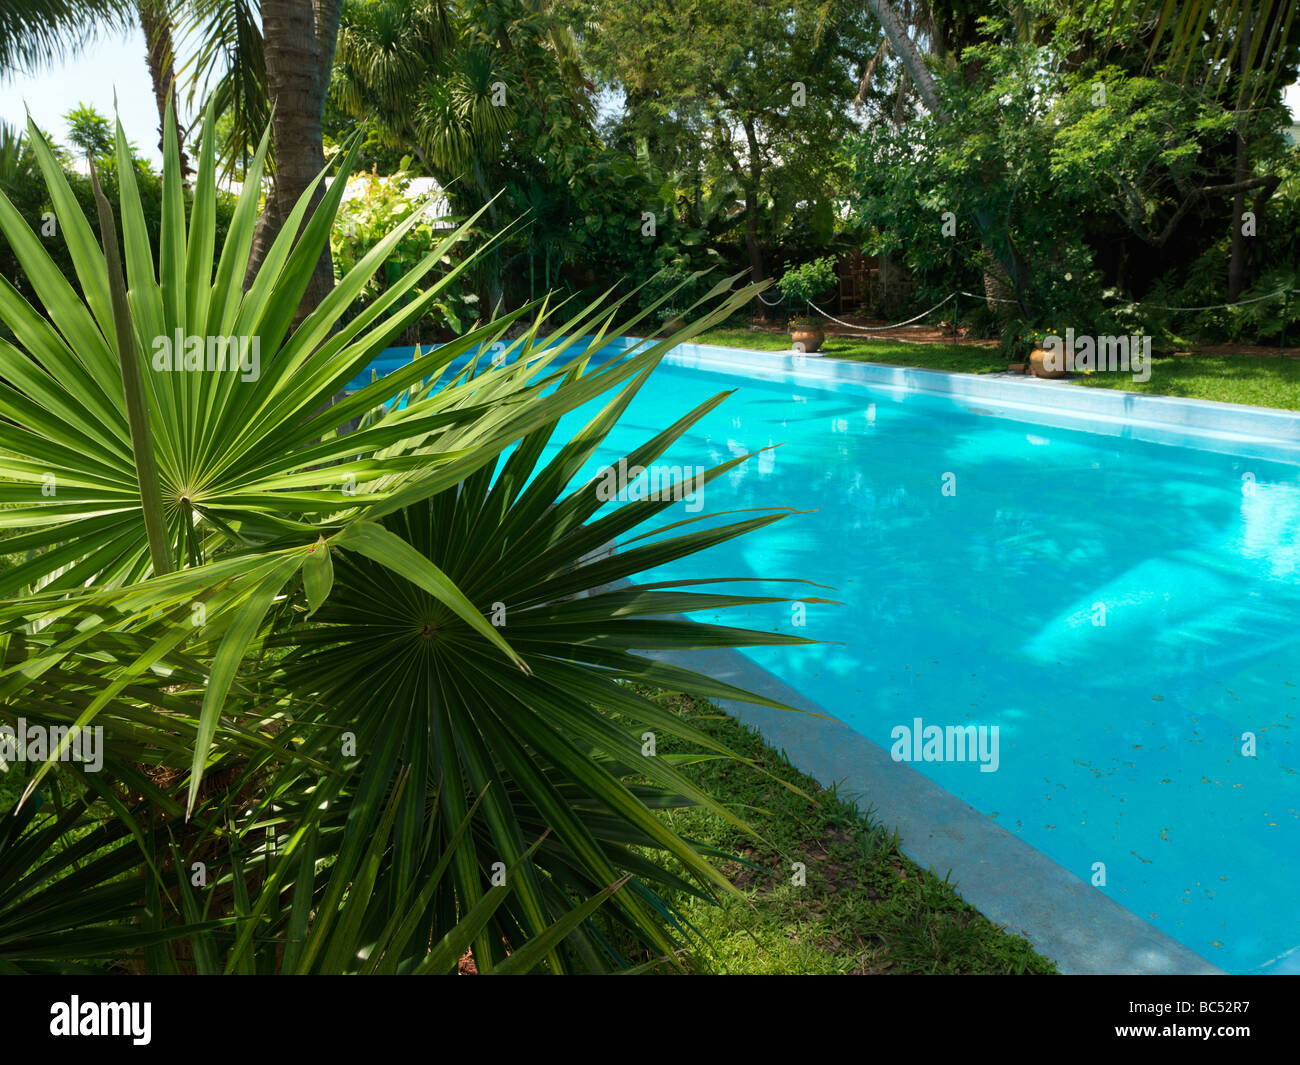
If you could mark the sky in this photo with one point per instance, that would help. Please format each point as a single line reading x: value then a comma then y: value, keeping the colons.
x: 112, y: 63
x: 116, y: 63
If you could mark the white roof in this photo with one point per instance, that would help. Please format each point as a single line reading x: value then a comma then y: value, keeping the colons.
x: 418, y: 189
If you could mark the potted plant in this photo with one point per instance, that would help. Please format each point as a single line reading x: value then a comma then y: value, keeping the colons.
x: 800, y: 285
x: 672, y: 319
x: 1040, y: 365
x: 674, y: 288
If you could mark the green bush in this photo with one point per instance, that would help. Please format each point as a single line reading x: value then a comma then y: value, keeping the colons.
x: 363, y: 220
x: 801, y: 285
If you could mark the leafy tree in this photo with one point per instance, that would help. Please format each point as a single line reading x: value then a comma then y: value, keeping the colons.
x: 295, y: 50
x: 90, y: 131
x: 488, y: 96
x: 758, y: 93
x: 1079, y: 171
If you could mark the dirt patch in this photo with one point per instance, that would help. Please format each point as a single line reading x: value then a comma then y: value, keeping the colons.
x: 1243, y: 349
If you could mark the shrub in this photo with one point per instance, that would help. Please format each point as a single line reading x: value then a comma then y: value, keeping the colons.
x: 803, y: 284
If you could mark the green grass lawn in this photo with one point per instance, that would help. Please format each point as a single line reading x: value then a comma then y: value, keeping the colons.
x: 1251, y: 379
x: 1260, y: 382
x: 865, y: 907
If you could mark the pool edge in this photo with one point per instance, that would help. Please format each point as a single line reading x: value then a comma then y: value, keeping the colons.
x: 1083, y: 930
x: 1254, y: 431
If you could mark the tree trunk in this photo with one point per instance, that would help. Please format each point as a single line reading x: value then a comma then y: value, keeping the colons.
x: 156, y: 23
x: 909, y: 57
x: 751, y: 186
x: 753, y: 247
x: 296, y: 85
x: 1236, y: 265
x: 998, y: 288
x: 325, y: 15
x: 752, y: 244
x: 1011, y: 270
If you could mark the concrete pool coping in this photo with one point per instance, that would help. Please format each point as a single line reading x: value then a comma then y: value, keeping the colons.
x: 1270, y: 433
x: 1256, y: 432
x: 1009, y: 881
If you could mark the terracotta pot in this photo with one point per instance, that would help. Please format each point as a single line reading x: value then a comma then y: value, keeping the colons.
x: 807, y: 338
x: 1038, y: 367
x: 674, y: 324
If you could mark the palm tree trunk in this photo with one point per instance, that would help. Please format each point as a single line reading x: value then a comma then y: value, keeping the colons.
x: 300, y: 37
x: 909, y: 57
x: 156, y: 23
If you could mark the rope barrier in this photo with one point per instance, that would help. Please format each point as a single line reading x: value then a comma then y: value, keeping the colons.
x: 1215, y: 306
x: 1283, y: 292
x: 994, y: 299
x: 878, y: 328
x: 1156, y: 306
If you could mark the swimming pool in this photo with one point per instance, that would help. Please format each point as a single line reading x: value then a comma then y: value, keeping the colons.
x: 1123, y: 610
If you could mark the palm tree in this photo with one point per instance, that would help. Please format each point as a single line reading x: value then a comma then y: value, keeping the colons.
x: 156, y: 22
x: 228, y: 68
x: 299, y: 40
x: 283, y: 628
x: 38, y: 31
x: 467, y: 90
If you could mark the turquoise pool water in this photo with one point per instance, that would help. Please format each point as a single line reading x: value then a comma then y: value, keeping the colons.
x: 1119, y: 743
